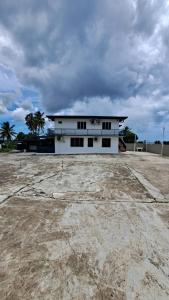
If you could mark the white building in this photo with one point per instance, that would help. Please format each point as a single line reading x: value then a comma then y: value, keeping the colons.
x: 86, y: 134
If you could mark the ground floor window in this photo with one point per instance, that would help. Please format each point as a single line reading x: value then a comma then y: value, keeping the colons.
x: 90, y: 142
x: 106, y: 142
x: 76, y: 142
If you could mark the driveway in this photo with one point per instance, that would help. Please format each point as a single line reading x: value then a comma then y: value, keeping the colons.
x: 84, y: 227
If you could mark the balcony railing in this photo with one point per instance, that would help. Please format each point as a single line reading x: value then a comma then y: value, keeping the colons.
x: 84, y: 132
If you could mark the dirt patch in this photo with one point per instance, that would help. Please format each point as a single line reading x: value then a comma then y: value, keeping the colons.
x: 164, y: 215
x: 7, y: 174
x: 109, y: 294
x: 123, y: 185
x: 79, y: 264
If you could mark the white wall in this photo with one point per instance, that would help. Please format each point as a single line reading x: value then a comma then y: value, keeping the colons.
x: 152, y: 148
x: 156, y: 148
x: 63, y: 146
x: 130, y: 146
x: 72, y: 123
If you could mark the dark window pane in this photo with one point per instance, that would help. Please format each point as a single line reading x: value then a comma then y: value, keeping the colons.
x: 90, y: 142
x: 80, y: 142
x: 106, y: 125
x: 76, y: 142
x: 81, y: 125
x: 106, y: 142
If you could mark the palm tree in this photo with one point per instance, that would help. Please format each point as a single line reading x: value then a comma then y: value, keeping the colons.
x: 35, y: 122
x: 7, y: 131
x: 30, y: 122
x: 39, y: 121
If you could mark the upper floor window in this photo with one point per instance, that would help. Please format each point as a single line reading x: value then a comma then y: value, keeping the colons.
x: 60, y: 122
x: 106, y: 125
x: 81, y: 125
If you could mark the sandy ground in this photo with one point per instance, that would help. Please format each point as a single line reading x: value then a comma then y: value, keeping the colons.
x: 84, y: 227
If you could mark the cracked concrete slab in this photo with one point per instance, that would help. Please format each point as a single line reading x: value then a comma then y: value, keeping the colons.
x: 3, y: 198
x: 84, y: 227
x: 154, y: 192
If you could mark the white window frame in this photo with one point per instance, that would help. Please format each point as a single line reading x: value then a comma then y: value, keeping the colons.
x: 81, y: 125
x: 106, y: 125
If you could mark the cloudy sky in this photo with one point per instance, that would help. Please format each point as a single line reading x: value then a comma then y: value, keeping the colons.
x: 86, y: 57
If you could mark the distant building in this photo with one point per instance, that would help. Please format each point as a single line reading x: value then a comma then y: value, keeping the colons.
x: 87, y: 134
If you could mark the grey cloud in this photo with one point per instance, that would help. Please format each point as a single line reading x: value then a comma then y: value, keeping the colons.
x: 147, y: 15
x: 10, y: 88
x: 79, y: 49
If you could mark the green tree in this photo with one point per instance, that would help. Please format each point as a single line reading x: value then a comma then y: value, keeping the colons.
x: 39, y: 121
x: 7, y: 131
x: 20, y: 136
x: 129, y: 135
x: 30, y: 123
x: 35, y: 122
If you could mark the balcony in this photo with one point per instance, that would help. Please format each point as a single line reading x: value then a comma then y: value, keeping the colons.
x: 84, y: 132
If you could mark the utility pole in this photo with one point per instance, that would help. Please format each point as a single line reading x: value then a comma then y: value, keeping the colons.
x: 162, y: 145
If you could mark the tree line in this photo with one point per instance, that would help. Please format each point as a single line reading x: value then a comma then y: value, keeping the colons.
x: 36, y: 124
x: 34, y: 121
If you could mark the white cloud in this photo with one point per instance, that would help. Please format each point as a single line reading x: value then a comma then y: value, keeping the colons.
x: 3, y: 109
x: 9, y: 84
x: 19, y: 114
x: 145, y: 115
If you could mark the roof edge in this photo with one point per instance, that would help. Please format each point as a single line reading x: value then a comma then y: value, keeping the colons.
x: 53, y: 117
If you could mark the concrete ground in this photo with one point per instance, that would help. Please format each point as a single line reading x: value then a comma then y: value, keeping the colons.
x: 84, y: 227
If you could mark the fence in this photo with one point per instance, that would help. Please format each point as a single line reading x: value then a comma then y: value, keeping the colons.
x: 152, y: 148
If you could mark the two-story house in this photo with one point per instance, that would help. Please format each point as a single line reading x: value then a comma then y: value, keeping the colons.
x: 86, y: 134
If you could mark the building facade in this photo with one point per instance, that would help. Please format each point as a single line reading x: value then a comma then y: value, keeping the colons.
x: 86, y: 134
